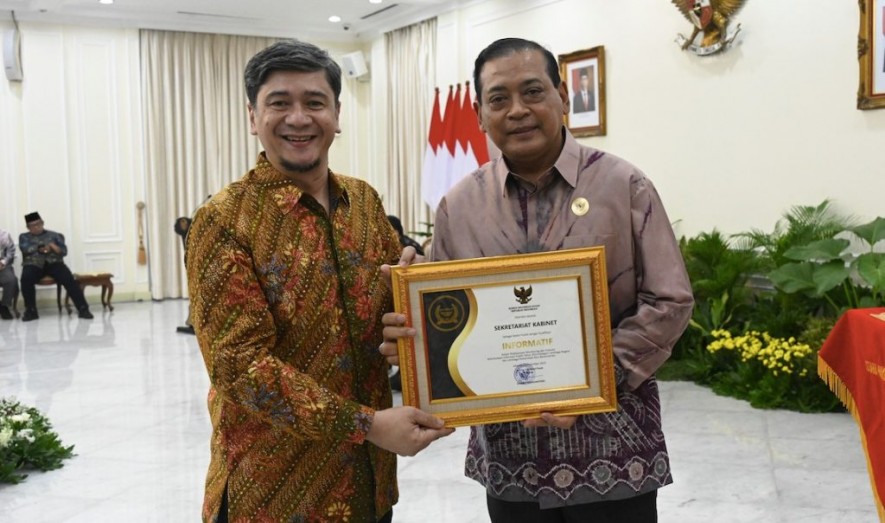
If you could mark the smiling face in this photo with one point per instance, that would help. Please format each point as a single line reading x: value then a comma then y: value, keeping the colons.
x: 295, y: 116
x: 522, y: 111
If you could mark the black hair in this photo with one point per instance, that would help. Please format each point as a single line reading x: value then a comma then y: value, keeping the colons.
x: 290, y: 55
x: 397, y: 224
x: 506, y: 47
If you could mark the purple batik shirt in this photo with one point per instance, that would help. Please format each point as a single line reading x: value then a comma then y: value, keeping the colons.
x: 605, y: 456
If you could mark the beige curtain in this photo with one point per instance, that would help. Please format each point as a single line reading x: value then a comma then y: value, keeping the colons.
x: 196, y: 135
x: 411, y: 75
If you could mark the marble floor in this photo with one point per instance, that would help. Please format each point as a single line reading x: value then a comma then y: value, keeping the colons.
x: 129, y: 393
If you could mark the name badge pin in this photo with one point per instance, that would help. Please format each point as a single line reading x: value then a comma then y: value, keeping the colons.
x: 580, y: 206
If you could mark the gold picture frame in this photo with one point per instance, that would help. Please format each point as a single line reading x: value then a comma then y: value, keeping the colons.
x: 871, y: 54
x: 506, y: 338
x: 582, y: 71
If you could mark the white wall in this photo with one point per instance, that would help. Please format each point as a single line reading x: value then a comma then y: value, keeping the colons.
x: 732, y: 141
x: 70, y: 148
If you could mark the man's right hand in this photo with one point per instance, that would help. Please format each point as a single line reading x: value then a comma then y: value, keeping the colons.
x: 406, y: 430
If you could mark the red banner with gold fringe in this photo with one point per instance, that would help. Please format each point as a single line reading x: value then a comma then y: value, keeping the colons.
x: 852, y: 362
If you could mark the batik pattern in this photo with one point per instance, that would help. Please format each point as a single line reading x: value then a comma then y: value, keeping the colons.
x: 492, y: 213
x: 287, y: 303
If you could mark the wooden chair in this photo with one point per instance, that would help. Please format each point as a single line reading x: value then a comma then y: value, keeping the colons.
x: 49, y: 280
x: 15, y: 303
x: 44, y: 281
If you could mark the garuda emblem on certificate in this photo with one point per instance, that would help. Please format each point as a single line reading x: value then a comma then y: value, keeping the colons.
x: 523, y: 295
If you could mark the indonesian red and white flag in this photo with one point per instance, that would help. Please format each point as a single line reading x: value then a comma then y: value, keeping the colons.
x: 432, y: 152
x: 438, y: 181
x: 460, y: 148
x: 465, y: 161
x: 476, y: 137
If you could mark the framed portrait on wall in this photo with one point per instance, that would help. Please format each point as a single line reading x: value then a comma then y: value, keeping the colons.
x: 584, y: 74
x: 871, y: 54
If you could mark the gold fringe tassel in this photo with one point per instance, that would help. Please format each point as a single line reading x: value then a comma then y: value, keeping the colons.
x: 835, y: 383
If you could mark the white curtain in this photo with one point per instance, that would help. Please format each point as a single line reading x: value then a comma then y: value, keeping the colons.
x: 196, y: 136
x: 411, y: 75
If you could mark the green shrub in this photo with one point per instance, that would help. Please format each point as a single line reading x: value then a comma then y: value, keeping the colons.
x: 781, y: 292
x: 27, y: 442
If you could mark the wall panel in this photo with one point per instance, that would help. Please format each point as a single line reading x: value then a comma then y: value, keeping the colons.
x: 46, y: 164
x: 94, y: 131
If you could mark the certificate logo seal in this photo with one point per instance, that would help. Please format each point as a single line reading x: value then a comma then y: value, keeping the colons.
x: 446, y: 313
x: 524, y: 373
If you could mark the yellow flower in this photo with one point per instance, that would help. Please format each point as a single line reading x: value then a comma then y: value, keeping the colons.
x: 778, y: 355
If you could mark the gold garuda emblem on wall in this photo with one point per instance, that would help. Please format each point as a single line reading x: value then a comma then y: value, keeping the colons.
x: 710, y: 19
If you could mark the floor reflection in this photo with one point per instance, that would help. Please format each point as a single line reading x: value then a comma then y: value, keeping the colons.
x: 134, y: 406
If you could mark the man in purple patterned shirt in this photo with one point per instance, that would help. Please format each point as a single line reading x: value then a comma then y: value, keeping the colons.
x: 548, y: 193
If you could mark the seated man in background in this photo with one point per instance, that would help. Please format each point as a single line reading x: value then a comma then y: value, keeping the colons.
x: 42, y: 253
x: 404, y: 239
x: 8, y: 281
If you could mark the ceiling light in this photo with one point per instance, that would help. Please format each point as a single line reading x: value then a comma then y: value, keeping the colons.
x: 334, y: 19
x: 375, y: 1
x: 106, y: 2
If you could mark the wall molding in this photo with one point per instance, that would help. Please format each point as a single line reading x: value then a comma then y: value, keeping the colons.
x: 101, y: 181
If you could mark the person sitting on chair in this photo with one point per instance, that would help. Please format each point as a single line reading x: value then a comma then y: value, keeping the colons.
x: 42, y: 254
x: 404, y: 239
x: 8, y: 281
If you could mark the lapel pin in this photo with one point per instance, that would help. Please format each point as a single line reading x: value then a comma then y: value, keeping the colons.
x: 580, y: 206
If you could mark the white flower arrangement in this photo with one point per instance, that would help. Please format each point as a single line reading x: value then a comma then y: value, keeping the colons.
x: 27, y: 442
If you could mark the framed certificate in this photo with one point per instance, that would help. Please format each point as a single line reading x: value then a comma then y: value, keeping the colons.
x: 507, y: 338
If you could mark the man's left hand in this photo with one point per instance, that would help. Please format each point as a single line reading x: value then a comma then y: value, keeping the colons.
x: 395, y: 323
x: 394, y: 329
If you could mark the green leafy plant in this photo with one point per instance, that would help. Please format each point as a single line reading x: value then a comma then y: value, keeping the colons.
x: 781, y: 292
x: 775, y: 311
x: 718, y: 276
x: 734, y: 293
x: 27, y: 442
x: 801, y: 225
x: 827, y: 269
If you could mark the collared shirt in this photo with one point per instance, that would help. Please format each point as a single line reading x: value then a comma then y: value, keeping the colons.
x: 491, y: 213
x: 7, y: 248
x: 31, y: 243
x: 287, y: 302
